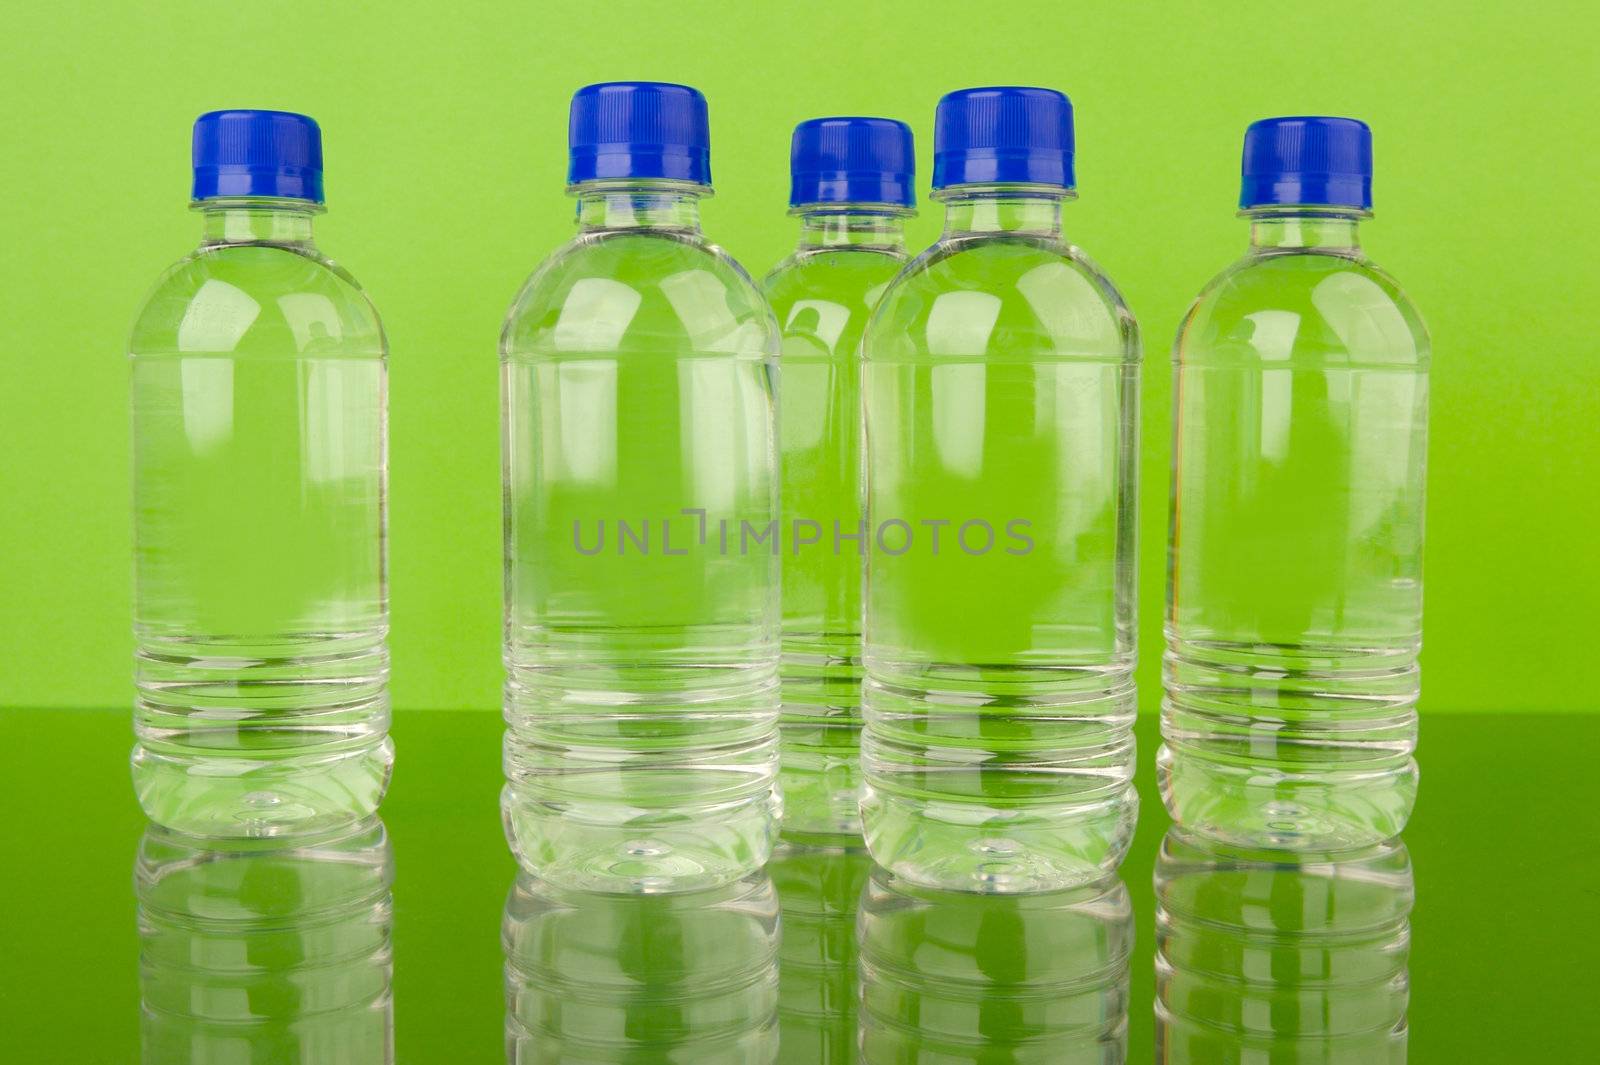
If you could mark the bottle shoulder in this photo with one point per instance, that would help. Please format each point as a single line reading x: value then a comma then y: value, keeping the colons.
x: 827, y: 269
x: 639, y: 290
x: 822, y: 298
x: 1308, y: 307
x: 994, y: 296
x: 264, y: 299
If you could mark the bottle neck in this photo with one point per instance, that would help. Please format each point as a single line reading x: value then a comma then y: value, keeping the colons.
x: 1304, y: 229
x: 876, y: 227
x: 1024, y: 210
x: 257, y: 221
x: 608, y: 205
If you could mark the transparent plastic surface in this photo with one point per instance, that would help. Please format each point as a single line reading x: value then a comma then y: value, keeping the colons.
x: 1283, y: 958
x: 819, y: 889
x: 1035, y: 979
x: 1002, y: 418
x: 1295, y: 566
x: 260, y: 609
x: 602, y: 978
x: 266, y: 950
x: 822, y: 296
x: 641, y: 638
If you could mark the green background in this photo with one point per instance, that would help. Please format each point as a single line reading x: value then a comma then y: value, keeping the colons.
x: 444, y: 128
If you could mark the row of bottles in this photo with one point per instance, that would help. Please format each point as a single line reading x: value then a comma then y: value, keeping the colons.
x: 998, y: 374
x: 274, y: 951
x: 944, y: 487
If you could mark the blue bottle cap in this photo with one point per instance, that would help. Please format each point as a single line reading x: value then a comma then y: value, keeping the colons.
x: 1307, y: 160
x: 852, y: 160
x: 257, y: 153
x: 1003, y: 135
x: 638, y: 129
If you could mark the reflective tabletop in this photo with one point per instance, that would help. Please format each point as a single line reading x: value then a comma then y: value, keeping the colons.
x: 414, y: 939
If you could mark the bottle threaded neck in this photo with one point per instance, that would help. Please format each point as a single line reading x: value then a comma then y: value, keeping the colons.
x: 257, y: 220
x: 639, y: 204
x: 1022, y: 210
x: 1304, y: 229
x: 866, y: 226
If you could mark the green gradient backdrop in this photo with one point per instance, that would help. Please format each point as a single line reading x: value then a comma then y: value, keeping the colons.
x: 445, y: 128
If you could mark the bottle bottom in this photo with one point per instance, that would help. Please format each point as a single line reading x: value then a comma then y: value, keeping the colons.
x: 259, y: 794
x: 641, y: 761
x: 610, y: 847
x: 1285, y: 806
x: 245, y: 737
x: 998, y: 779
x: 957, y: 846
x: 1297, y: 747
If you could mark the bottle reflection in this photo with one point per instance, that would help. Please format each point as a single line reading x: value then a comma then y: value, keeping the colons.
x: 687, y: 977
x: 819, y: 889
x: 949, y: 977
x: 266, y: 951
x: 1270, y: 957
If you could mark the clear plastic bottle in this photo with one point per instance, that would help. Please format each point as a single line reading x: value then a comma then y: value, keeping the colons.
x: 1002, y: 372
x: 852, y: 189
x: 1295, y: 563
x: 960, y: 977
x: 266, y: 950
x: 602, y: 978
x: 260, y: 607
x: 1272, y: 956
x: 819, y: 889
x: 641, y: 635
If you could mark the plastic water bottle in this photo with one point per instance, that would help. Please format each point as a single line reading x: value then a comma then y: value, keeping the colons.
x: 1295, y: 577
x: 266, y: 950
x: 852, y: 189
x: 819, y: 889
x: 1263, y: 956
x: 616, y: 979
x: 641, y: 628
x: 260, y: 607
x: 1002, y: 413
x: 955, y: 977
